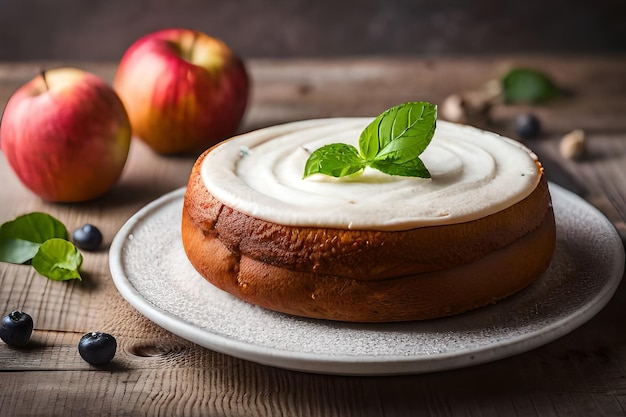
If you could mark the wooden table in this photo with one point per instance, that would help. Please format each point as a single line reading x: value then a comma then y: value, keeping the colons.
x: 158, y: 373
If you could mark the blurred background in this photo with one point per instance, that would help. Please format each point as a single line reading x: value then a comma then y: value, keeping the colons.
x: 101, y: 30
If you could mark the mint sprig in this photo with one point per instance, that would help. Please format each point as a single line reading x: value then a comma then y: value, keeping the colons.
x: 58, y: 259
x: 391, y: 143
x: 42, y: 241
x: 528, y: 85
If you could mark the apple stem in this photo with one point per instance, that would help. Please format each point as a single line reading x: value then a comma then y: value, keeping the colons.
x: 193, y: 44
x: 43, y: 77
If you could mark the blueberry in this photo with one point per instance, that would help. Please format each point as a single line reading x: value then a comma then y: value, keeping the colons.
x: 16, y: 329
x: 527, y: 126
x: 87, y: 237
x: 97, y: 348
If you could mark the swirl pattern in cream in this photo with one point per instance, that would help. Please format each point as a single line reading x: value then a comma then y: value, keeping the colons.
x: 474, y: 174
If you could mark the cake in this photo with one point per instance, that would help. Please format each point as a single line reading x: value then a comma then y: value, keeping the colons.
x: 370, y: 248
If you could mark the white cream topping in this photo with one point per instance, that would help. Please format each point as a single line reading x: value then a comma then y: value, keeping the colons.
x: 474, y: 174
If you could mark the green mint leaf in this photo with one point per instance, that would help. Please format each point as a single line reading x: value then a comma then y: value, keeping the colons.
x: 391, y: 143
x: 17, y: 251
x: 337, y: 160
x: 58, y: 260
x: 525, y: 85
x: 412, y: 168
x: 400, y: 133
x: 21, y: 237
x: 402, y: 150
x: 41, y: 240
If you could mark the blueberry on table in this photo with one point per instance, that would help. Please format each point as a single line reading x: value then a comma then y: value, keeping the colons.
x: 97, y: 348
x: 16, y: 329
x: 87, y: 237
x: 527, y: 126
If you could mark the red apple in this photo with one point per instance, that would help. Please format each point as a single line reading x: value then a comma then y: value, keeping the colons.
x: 183, y: 90
x: 66, y: 135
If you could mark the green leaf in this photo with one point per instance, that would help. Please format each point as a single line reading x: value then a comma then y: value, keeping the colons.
x: 391, y: 143
x: 401, y: 150
x: 58, y: 260
x: 525, y: 85
x: 17, y: 251
x: 400, y: 133
x: 412, y: 168
x: 21, y: 237
x: 337, y: 160
x: 40, y: 239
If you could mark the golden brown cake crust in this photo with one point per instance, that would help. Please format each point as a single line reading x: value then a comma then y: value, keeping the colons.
x: 364, y: 275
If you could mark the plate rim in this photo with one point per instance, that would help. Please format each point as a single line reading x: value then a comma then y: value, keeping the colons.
x: 348, y: 364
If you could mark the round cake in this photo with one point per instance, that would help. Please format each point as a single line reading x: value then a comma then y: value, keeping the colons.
x: 372, y: 247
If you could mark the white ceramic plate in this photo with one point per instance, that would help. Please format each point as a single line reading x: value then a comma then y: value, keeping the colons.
x: 152, y: 273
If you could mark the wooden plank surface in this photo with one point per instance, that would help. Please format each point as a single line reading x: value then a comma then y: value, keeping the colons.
x: 157, y: 373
